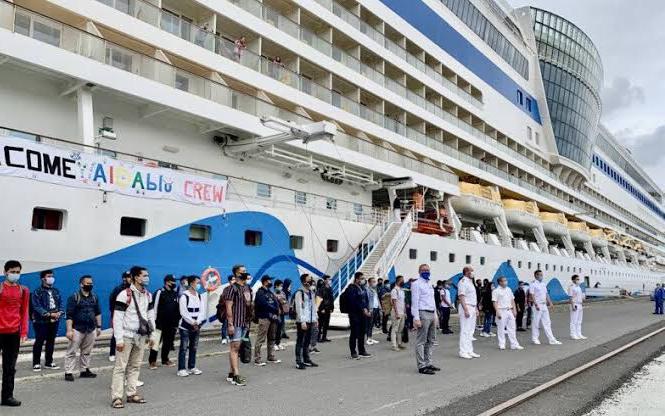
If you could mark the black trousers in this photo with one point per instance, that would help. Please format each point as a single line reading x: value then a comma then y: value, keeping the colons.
x: 303, y: 340
x: 45, y: 333
x: 519, y: 318
x: 324, y: 323
x: 384, y: 323
x: 167, y: 339
x: 358, y: 331
x: 9, y: 344
x: 445, y: 318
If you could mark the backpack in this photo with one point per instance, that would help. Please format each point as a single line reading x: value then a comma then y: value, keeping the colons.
x: 344, y: 306
x: 220, y: 314
x: 293, y: 314
x: 386, y: 303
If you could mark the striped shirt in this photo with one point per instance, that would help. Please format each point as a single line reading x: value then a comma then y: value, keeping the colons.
x: 241, y: 300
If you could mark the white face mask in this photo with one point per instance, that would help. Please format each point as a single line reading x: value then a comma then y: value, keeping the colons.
x: 50, y: 281
x: 13, y: 277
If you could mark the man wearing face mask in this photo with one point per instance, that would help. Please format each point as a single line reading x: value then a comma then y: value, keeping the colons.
x: 124, y: 284
x: 283, y: 311
x: 46, y: 312
x: 358, y: 313
x: 468, y: 302
x: 84, y: 323
x: 306, y: 320
x: 541, y: 301
x: 167, y: 317
x: 237, y: 301
x: 374, y: 309
x: 423, y: 309
x: 193, y: 315
x: 326, y: 308
x: 14, y: 315
x: 131, y: 328
x: 266, y: 311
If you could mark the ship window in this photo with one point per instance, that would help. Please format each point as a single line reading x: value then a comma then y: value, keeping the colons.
x: 568, y: 269
x: 538, y: 268
x: 332, y: 246
x: 528, y: 104
x: 181, y: 82
x: 357, y: 208
x: 300, y: 198
x: 547, y: 267
x: 529, y: 133
x: 133, y: 227
x: 253, y: 238
x: 482, y: 261
x: 468, y: 259
x: 296, y: 242
x: 263, y: 190
x: 198, y: 232
x: 529, y: 265
x: 554, y: 267
x: 433, y: 255
x: 451, y: 257
x: 413, y: 254
x: 47, y: 219
x: 520, y: 97
x: 331, y: 203
x: 519, y: 264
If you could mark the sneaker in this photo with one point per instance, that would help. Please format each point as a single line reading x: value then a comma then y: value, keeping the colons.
x: 434, y: 368
x: 275, y: 348
x: 274, y: 361
x: 87, y: 374
x: 355, y: 357
x: 370, y: 342
x: 69, y: 377
x: 465, y: 356
x: 51, y: 366
x: 182, y: 373
x: 426, y: 371
x: 239, y: 381
x: 139, y: 383
x: 396, y: 349
x: 195, y: 371
x: 36, y: 368
x: 315, y: 351
x: 484, y: 335
x: 575, y: 337
x: 152, y: 366
x: 474, y: 339
x: 365, y: 355
x: 535, y: 341
x: 492, y: 334
x: 225, y: 341
x: 229, y: 377
x: 474, y: 355
x: 582, y: 337
x: 311, y: 364
x: 10, y: 402
x: 281, y: 347
x: 555, y: 342
x: 112, y: 358
x: 517, y: 347
x: 301, y: 366
x: 375, y: 341
x: 502, y: 347
x: 259, y: 364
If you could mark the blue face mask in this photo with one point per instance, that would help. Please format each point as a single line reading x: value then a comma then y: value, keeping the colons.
x: 425, y: 275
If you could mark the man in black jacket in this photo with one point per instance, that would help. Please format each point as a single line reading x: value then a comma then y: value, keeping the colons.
x: 358, y: 314
x: 520, y: 303
x: 266, y: 313
x: 326, y: 307
x: 126, y: 280
x: 167, y: 317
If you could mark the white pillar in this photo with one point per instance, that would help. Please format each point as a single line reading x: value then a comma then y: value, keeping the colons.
x: 86, y: 119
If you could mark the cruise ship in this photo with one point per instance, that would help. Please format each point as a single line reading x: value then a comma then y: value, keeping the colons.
x: 314, y: 136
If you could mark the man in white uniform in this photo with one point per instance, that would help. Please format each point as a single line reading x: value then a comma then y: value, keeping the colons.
x: 466, y: 292
x: 504, y: 305
x: 576, y: 300
x: 541, y: 301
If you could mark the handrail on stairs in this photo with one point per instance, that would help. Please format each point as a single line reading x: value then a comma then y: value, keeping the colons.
x: 395, y: 246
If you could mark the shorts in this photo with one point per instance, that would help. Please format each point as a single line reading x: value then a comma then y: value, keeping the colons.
x: 238, y: 334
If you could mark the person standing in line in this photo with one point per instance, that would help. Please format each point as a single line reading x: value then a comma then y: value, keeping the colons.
x: 14, y: 317
x: 231, y: 279
x: 487, y: 308
x: 398, y: 311
x: 287, y: 292
x: 306, y: 320
x: 479, y: 319
x: 192, y: 317
x: 46, y: 312
x: 658, y: 296
x: 384, y: 298
x: 520, y: 304
x: 576, y: 307
x: 167, y: 317
x: 358, y: 311
x: 84, y: 325
x: 444, y: 307
x: 326, y: 308
x: 283, y: 310
x: 132, y: 326
x: 266, y: 313
x: 423, y: 310
x: 238, y: 302
x: 541, y: 301
x: 504, y: 305
x: 314, y: 339
x: 125, y: 281
x: 466, y: 292
x: 529, y: 306
x: 374, y: 310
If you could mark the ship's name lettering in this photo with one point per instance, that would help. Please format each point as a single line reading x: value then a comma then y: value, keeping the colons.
x: 19, y: 157
x: 126, y: 178
x: 204, y: 191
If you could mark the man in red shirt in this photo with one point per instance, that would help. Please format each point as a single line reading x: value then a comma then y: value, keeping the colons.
x: 14, y: 311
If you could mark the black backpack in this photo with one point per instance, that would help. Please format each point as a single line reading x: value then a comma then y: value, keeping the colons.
x: 293, y: 314
x: 344, y: 306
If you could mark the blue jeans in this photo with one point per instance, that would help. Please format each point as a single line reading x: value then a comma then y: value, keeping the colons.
x: 487, y: 323
x: 189, y: 340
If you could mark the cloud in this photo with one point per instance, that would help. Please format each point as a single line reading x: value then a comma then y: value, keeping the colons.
x: 620, y: 95
x: 648, y: 149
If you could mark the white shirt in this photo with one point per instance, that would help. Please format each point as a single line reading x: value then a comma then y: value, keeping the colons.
x: 503, y: 297
x: 422, y: 297
x: 576, y: 294
x: 539, y: 292
x: 466, y: 288
x: 192, y: 309
x: 445, y: 294
x: 398, y: 295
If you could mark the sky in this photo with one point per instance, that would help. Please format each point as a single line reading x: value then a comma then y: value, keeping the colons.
x: 630, y: 36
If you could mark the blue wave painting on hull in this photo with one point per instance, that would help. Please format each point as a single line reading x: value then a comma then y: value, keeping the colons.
x: 173, y: 253
x: 556, y: 290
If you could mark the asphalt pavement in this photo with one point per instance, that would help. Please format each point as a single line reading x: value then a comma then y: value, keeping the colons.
x: 386, y: 384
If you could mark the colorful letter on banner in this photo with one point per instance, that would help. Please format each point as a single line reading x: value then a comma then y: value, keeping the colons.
x: 27, y: 159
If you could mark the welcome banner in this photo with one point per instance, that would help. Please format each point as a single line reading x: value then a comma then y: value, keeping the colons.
x: 32, y: 160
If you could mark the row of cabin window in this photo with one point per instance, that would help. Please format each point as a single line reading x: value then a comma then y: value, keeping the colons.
x: 434, y: 256
x: 264, y: 190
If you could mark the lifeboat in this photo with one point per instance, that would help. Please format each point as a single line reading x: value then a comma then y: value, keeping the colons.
x: 611, y: 236
x: 598, y: 238
x: 478, y: 201
x: 521, y: 214
x: 554, y: 223
x: 579, y: 231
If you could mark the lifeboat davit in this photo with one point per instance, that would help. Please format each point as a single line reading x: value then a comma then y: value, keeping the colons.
x: 579, y: 231
x: 554, y: 223
x: 478, y: 201
x: 521, y: 214
x: 598, y: 238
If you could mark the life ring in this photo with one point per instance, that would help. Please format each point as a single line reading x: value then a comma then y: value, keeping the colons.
x: 211, y: 279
